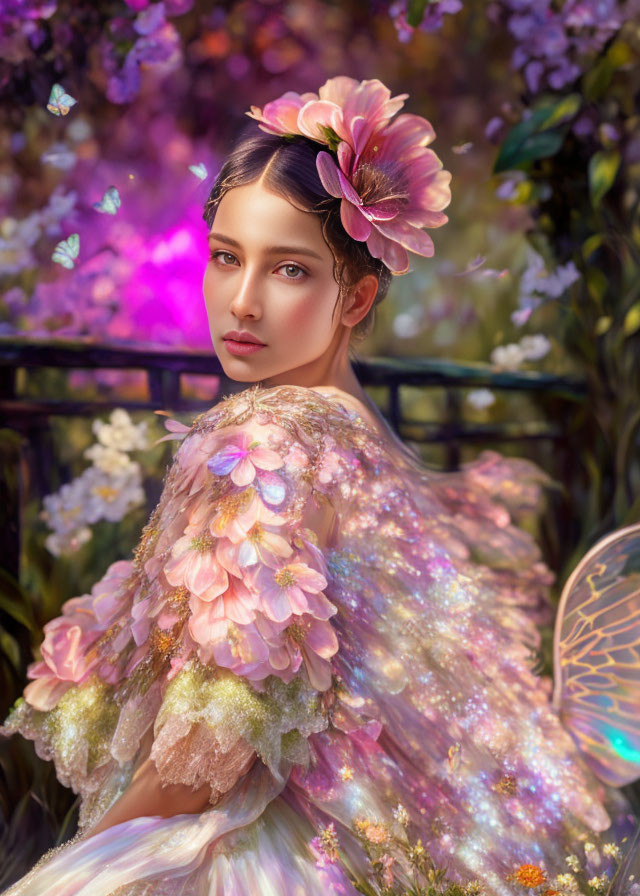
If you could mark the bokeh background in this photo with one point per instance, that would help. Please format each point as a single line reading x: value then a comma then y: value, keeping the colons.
x: 535, y: 105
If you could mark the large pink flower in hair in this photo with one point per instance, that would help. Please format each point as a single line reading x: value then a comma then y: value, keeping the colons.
x: 391, y: 187
x: 390, y: 184
x: 343, y: 109
x: 353, y: 110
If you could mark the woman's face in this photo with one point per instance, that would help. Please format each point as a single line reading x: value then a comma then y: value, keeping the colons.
x: 271, y: 275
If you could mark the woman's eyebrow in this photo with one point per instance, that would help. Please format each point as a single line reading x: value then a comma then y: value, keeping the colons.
x: 297, y: 250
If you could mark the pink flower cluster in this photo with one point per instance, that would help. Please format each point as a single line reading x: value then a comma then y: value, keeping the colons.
x: 257, y: 603
x: 67, y: 654
x: 390, y: 184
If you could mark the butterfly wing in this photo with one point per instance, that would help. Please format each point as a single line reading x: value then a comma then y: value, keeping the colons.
x: 110, y: 202
x: 200, y: 170
x: 597, y: 656
x: 59, y: 101
x: 67, y: 251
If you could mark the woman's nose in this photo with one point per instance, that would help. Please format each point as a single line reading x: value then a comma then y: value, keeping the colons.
x: 246, y: 299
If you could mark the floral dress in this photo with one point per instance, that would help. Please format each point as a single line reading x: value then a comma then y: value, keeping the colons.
x: 342, y: 644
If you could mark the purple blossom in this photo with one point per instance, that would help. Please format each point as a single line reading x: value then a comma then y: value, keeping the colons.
x: 432, y: 20
x: 553, y: 45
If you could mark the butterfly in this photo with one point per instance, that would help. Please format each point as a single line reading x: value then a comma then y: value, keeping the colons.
x: 199, y: 170
x: 66, y: 251
x: 110, y: 202
x: 59, y: 101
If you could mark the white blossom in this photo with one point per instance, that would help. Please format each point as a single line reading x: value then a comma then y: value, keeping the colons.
x: 536, y: 278
x: 534, y: 347
x: 481, y: 398
x: 110, y: 460
x: 121, y: 433
x: 65, y: 510
x: 509, y: 357
x: 110, y: 497
x: 58, y: 544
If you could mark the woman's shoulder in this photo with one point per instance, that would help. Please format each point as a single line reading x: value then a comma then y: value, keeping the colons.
x: 306, y: 411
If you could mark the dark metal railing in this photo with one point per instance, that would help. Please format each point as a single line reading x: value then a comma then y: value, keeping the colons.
x: 29, y: 414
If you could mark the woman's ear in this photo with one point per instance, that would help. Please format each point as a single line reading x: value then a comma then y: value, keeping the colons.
x: 359, y: 300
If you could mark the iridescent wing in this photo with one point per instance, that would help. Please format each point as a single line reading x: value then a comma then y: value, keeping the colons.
x: 200, y: 170
x: 597, y: 656
x: 67, y: 250
x: 110, y: 202
x: 59, y: 101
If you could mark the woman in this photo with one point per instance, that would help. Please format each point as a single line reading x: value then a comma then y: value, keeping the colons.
x: 316, y: 673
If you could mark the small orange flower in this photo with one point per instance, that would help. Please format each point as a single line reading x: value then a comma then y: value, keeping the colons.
x: 376, y: 833
x: 529, y: 875
x: 551, y: 892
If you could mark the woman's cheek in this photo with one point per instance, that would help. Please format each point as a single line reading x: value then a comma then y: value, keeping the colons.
x: 311, y: 313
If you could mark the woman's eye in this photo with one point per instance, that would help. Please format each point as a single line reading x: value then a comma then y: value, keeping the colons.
x: 227, y: 259
x: 220, y: 254
x: 298, y: 272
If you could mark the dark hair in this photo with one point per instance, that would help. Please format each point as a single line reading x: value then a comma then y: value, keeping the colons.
x: 291, y: 172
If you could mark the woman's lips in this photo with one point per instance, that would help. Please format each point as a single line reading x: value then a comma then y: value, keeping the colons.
x: 241, y: 348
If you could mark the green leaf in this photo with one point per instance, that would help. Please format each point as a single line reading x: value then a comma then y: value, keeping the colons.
x: 631, y: 323
x: 597, y: 284
x: 562, y: 111
x: 603, y: 167
x: 539, y: 136
x: 415, y: 12
x: 597, y: 79
x: 14, y: 602
x: 516, y: 152
x: 9, y: 647
x: 591, y: 244
x: 602, y: 325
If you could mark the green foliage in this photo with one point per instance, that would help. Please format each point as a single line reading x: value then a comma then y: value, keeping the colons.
x: 585, y: 208
x: 603, y: 167
x: 416, y: 10
x: 538, y: 137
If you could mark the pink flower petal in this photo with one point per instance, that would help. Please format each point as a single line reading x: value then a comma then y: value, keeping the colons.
x: 410, y: 237
x: 316, y: 115
x: 45, y: 692
x: 322, y: 639
x: 320, y: 606
x: 337, y: 89
x: 307, y: 578
x: 347, y: 189
x: 275, y: 604
x: 243, y: 473
x: 393, y: 255
x: 346, y: 157
x: 328, y: 174
x: 297, y: 600
x: 318, y: 670
x: 265, y: 458
x: 354, y: 222
x: 204, y: 574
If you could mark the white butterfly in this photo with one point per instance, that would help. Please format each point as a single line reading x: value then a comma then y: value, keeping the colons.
x: 110, y: 202
x: 59, y: 101
x: 67, y: 251
x: 199, y: 170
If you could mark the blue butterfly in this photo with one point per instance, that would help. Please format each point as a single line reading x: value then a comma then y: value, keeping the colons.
x: 66, y: 251
x: 59, y: 101
x: 199, y: 170
x: 110, y: 202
